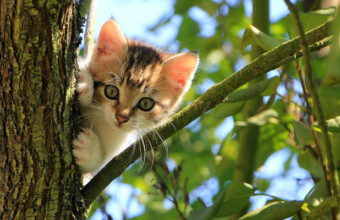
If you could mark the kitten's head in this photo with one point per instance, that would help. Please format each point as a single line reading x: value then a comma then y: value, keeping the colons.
x: 137, y: 85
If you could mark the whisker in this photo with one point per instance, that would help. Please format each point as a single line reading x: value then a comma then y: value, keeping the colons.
x: 152, y: 152
x: 143, y: 157
x: 132, y: 153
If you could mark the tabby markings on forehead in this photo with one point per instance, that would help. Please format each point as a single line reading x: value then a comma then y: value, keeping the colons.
x: 140, y: 58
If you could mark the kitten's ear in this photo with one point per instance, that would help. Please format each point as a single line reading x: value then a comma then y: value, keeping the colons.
x: 180, y: 70
x: 111, y: 40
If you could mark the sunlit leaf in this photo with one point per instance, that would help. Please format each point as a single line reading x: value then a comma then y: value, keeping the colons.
x: 253, y: 36
x: 274, y: 211
x: 333, y: 124
x: 309, y: 20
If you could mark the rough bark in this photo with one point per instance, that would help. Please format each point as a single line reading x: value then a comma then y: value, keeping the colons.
x: 38, y: 42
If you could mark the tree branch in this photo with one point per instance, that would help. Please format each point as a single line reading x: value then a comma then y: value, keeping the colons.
x: 216, y: 94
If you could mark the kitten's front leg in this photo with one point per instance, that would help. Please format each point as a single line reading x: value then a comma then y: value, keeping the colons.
x: 85, y: 87
x: 86, y: 150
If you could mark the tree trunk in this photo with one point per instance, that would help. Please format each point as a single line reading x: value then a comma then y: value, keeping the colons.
x: 248, y: 136
x: 39, y: 39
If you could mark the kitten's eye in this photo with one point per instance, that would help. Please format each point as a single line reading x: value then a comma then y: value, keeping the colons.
x: 146, y: 104
x: 111, y: 92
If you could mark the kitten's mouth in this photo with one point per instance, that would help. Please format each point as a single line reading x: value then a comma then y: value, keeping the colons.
x: 119, y: 125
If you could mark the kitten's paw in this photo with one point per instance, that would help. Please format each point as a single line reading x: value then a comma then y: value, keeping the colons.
x: 85, y: 87
x: 86, y: 150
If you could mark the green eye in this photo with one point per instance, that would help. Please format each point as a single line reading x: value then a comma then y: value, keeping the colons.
x: 111, y: 92
x: 146, y: 104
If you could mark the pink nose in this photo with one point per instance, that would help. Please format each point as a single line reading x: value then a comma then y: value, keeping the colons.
x: 121, y: 118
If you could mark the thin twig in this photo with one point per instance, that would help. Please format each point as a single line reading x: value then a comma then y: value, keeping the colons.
x: 316, y: 102
x: 215, y: 95
x: 172, y: 195
x: 310, y: 122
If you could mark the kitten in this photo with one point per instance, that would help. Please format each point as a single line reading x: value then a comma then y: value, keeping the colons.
x: 125, y: 87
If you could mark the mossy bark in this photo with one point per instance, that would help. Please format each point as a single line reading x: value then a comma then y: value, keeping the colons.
x: 38, y: 43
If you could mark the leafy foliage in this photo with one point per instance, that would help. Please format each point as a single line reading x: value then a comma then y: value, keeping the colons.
x: 207, y: 149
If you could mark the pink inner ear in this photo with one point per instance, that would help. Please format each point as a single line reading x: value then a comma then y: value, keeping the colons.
x: 180, y: 68
x: 111, y: 40
x: 180, y: 75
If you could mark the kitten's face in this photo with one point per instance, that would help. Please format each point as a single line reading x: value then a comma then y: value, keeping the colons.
x: 137, y: 85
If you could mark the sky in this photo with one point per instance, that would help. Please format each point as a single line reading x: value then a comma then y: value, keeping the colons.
x: 135, y: 17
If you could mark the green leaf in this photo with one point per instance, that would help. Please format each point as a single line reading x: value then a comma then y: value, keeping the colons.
x: 318, y: 191
x: 233, y: 198
x: 274, y: 211
x: 309, y: 20
x: 265, y: 86
x: 308, y: 162
x: 336, y: 149
x: 236, y: 198
x: 224, y: 110
x: 333, y: 124
x: 303, y: 134
x: 187, y: 33
x: 182, y: 6
x: 260, y: 119
x: 253, y: 36
x: 330, y: 101
x: 273, y: 84
x: 334, y: 56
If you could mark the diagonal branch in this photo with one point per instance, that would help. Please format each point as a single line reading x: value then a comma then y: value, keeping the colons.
x: 274, y: 58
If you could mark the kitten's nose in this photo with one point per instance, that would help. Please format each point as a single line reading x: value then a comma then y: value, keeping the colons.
x: 122, y: 118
